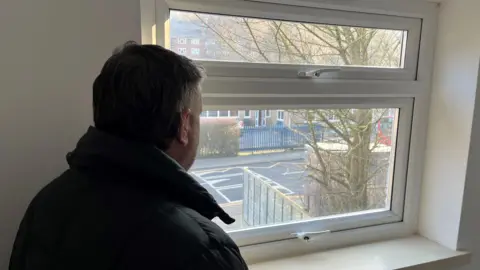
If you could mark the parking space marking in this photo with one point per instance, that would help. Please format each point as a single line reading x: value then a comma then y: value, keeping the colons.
x: 222, y: 170
x: 227, y: 183
x: 230, y: 187
x: 210, y: 184
x: 214, y: 182
x: 290, y: 173
x: 225, y: 197
x: 221, y: 176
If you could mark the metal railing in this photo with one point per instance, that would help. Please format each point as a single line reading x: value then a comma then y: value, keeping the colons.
x: 271, y: 138
x: 222, y: 141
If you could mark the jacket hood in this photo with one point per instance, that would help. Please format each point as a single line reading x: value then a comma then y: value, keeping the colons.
x: 143, y: 166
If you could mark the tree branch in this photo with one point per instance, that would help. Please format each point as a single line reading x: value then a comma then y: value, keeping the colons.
x: 223, y: 38
x: 336, y: 130
x: 331, y: 177
x: 255, y: 40
x: 285, y: 37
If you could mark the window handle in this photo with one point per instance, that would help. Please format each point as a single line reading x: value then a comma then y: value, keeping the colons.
x: 317, y: 72
x: 307, y: 236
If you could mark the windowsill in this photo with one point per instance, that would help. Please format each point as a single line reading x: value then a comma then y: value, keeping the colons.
x: 413, y: 252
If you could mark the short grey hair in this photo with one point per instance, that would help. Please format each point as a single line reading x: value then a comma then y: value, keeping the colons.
x: 141, y: 91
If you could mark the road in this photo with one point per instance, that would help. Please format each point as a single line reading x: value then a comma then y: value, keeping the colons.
x: 226, y: 183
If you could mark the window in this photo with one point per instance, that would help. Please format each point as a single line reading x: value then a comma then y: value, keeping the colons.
x: 182, y: 41
x: 213, y: 113
x: 311, y: 176
x: 316, y: 40
x: 223, y: 113
x: 195, y: 41
x: 211, y: 42
x: 346, y: 90
x: 280, y: 115
x: 391, y: 43
x: 260, y: 118
x: 182, y: 50
x: 195, y: 51
x: 219, y: 114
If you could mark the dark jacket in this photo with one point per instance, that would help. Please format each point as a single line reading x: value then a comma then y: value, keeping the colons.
x: 123, y: 205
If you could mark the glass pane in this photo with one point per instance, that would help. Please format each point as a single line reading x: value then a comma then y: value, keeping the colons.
x: 316, y: 163
x: 240, y: 39
x: 223, y: 113
x: 212, y: 113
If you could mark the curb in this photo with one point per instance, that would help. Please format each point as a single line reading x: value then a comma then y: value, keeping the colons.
x: 240, y: 161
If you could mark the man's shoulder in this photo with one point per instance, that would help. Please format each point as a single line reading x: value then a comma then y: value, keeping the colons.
x: 187, y: 225
x: 129, y: 207
x: 178, y: 237
x: 59, y: 190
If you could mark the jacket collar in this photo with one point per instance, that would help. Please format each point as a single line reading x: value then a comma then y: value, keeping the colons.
x: 143, y: 166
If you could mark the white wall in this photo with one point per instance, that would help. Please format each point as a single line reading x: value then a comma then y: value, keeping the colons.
x: 442, y: 217
x: 469, y: 236
x: 50, y: 52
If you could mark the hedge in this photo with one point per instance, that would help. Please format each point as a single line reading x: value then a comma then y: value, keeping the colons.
x: 219, y: 137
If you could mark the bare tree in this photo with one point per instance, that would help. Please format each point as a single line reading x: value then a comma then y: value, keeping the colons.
x: 344, y: 178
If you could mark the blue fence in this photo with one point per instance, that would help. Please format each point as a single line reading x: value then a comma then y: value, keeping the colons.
x: 273, y: 138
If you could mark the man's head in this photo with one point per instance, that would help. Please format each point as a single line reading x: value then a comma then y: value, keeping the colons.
x: 148, y: 94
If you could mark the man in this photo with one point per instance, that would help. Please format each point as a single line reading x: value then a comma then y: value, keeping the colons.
x: 127, y: 201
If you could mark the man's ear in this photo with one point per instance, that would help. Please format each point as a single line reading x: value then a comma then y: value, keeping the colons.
x: 184, y: 126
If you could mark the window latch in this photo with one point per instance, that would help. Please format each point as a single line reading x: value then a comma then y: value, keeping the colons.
x: 317, y: 72
x: 307, y: 236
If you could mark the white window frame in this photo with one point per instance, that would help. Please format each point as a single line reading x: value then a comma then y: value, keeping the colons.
x: 268, y: 113
x: 254, y: 86
x: 195, y: 41
x: 280, y: 112
x: 182, y: 50
x: 195, y: 51
x: 321, y: 16
x: 257, y: 118
x: 207, y: 114
x: 344, y: 222
x: 182, y: 41
x: 247, y: 114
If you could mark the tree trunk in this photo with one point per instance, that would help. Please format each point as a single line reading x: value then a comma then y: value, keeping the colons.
x: 359, y: 160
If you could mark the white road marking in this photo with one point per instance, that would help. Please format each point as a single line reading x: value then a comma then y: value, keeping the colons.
x: 289, y: 173
x: 238, y: 201
x: 220, y: 193
x: 225, y: 197
x: 269, y: 167
x: 223, y: 170
x: 214, y: 182
x: 230, y: 187
x: 216, y: 170
x: 222, y: 176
